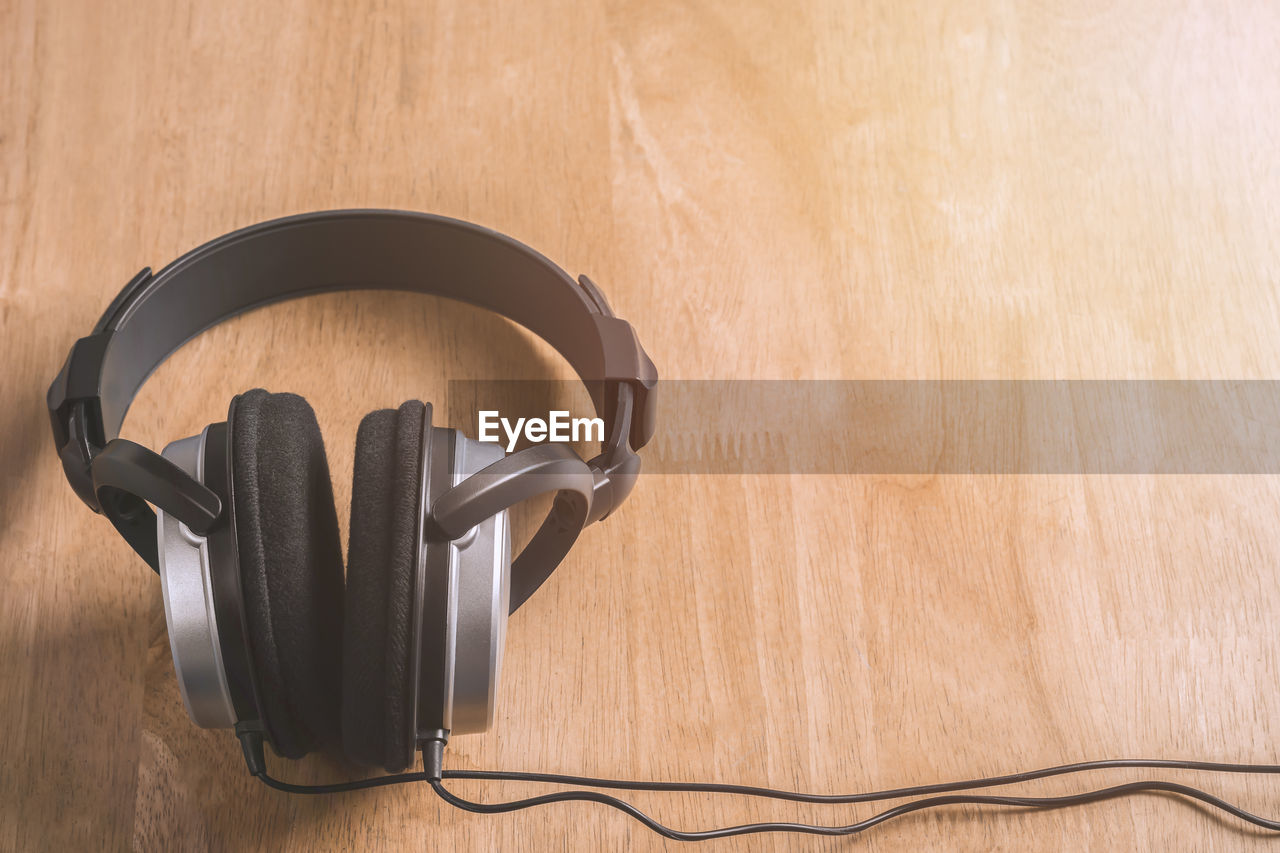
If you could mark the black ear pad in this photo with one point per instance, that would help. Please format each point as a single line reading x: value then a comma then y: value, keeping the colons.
x: 290, y: 568
x: 378, y: 725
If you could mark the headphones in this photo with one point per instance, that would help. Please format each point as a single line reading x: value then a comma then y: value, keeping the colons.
x: 270, y: 639
x: 267, y: 636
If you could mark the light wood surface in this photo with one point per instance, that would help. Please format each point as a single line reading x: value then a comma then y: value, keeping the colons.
x: 765, y: 190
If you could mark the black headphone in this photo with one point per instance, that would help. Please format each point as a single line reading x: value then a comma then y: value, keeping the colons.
x: 266, y: 636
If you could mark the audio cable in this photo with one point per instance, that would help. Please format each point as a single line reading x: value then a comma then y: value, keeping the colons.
x: 1034, y: 803
x: 920, y: 797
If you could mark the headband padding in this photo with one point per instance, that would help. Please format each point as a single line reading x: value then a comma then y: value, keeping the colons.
x: 290, y: 568
x: 378, y: 725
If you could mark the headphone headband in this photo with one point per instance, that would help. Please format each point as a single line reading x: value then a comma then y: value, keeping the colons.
x: 338, y: 250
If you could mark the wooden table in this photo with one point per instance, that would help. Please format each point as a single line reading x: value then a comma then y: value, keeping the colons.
x: 794, y: 191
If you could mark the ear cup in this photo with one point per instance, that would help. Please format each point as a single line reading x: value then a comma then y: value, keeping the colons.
x: 290, y: 560
x: 378, y: 725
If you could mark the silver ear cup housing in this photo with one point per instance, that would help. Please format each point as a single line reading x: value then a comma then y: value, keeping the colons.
x: 474, y: 571
x: 187, y: 588
x: 480, y: 575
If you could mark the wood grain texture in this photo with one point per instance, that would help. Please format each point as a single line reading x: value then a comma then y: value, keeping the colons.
x: 771, y: 190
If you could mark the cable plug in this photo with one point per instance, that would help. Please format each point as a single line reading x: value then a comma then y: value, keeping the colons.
x: 433, y: 756
x: 250, y: 735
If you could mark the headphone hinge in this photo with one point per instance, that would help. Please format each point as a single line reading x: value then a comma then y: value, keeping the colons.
x: 76, y: 451
x: 625, y: 362
x: 616, y: 468
x: 75, y: 413
x: 615, y: 472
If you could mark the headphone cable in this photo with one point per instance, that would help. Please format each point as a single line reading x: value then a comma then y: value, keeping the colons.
x: 1032, y: 803
x: 433, y: 757
x: 868, y: 797
x: 922, y: 796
